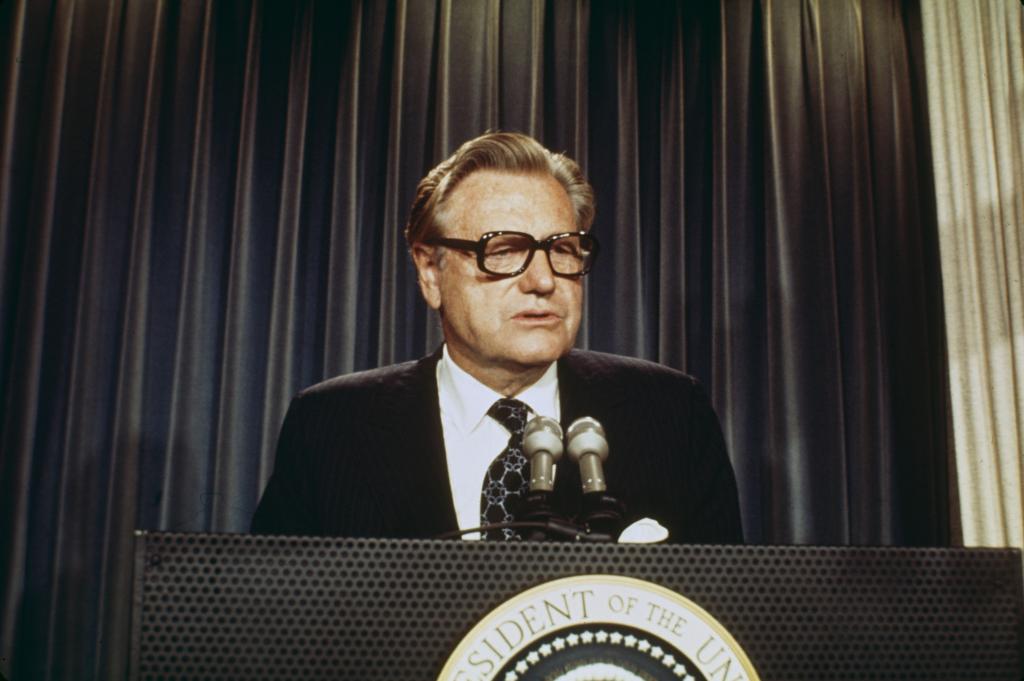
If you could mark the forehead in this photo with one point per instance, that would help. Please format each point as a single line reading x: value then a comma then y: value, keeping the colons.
x: 488, y: 201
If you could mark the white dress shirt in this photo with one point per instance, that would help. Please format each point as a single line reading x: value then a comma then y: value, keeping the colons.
x: 472, y: 439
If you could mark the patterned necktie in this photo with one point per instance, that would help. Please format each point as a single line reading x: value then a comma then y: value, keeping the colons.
x: 505, y: 480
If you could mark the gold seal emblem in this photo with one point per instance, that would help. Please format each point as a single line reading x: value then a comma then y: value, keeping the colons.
x: 594, y: 627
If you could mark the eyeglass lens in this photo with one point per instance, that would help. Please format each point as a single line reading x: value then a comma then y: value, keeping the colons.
x: 507, y: 253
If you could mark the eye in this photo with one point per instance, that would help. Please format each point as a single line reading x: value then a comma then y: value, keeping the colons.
x: 507, y: 245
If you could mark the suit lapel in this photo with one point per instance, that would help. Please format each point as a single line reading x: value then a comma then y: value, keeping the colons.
x: 582, y: 392
x: 410, y: 443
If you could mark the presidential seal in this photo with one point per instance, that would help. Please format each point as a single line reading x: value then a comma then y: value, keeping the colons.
x: 598, y: 628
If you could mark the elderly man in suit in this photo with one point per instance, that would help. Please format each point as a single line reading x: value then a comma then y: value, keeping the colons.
x: 499, y: 233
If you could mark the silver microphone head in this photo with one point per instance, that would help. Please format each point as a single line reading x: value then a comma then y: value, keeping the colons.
x: 542, y: 444
x: 588, y: 446
x: 586, y: 436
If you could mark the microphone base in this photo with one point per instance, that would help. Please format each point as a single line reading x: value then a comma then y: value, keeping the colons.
x: 603, y: 516
x: 536, y: 507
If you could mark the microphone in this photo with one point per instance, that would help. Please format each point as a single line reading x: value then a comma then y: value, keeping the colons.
x: 602, y: 515
x: 587, y: 446
x: 542, y: 444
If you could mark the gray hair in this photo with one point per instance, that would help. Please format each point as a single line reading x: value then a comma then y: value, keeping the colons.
x: 503, y: 151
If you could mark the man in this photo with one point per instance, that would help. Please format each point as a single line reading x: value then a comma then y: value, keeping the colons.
x: 499, y: 234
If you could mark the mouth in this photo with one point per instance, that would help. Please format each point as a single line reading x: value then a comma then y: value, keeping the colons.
x: 537, y: 317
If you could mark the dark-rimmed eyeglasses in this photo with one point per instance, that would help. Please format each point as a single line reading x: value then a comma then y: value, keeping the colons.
x: 506, y: 254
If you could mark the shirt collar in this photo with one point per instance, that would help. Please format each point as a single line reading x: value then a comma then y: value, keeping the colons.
x: 465, y: 400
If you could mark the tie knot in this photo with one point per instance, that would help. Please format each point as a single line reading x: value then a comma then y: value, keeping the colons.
x: 510, y: 413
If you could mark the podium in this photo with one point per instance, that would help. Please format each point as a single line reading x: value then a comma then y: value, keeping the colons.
x: 255, y: 607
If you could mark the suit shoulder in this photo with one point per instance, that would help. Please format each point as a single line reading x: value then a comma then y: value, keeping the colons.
x: 603, y: 366
x: 362, y: 385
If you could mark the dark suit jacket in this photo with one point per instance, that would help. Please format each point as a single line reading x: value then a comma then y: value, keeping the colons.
x: 362, y: 455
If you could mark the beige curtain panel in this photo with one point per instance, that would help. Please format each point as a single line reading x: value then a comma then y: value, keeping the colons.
x: 975, y: 73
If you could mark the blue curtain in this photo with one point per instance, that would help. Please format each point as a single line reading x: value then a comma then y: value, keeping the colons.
x: 201, y: 208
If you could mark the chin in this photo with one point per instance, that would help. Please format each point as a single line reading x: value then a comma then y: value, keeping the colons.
x: 537, y: 360
x: 539, y: 354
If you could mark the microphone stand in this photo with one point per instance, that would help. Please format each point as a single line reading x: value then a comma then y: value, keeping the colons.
x: 601, y: 520
x: 603, y: 516
x: 536, y: 507
x: 551, y: 530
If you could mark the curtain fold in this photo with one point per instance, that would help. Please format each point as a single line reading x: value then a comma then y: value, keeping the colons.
x: 827, y: 347
x: 975, y: 90
x: 114, y: 578
x: 613, y: 169
x: 202, y: 213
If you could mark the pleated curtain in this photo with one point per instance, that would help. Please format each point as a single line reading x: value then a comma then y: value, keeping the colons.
x: 201, y: 207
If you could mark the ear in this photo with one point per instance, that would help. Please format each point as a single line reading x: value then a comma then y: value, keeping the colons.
x: 428, y: 269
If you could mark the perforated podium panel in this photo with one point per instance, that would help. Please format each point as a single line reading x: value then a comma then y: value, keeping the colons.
x: 248, y: 607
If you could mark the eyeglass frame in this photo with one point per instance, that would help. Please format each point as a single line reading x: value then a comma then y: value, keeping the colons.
x: 478, y: 247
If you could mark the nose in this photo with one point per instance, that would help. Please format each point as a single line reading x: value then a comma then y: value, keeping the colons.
x: 538, y: 277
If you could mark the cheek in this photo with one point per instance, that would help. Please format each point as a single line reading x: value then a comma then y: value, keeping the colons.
x: 475, y: 309
x: 574, y: 301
